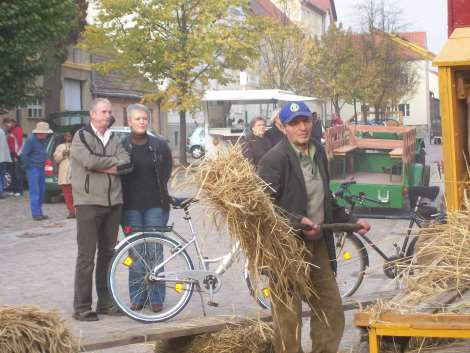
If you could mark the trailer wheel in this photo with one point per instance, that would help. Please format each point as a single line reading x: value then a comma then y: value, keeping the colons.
x: 426, y: 175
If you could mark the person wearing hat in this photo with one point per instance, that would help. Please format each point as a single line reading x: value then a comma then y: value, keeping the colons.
x: 33, y: 157
x: 296, y: 170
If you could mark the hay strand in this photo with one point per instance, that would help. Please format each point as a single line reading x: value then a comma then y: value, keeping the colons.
x: 252, y: 337
x: 229, y: 186
x: 28, y: 329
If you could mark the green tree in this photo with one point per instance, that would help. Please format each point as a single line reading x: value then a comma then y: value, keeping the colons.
x: 175, y: 45
x: 331, y: 67
x: 33, y: 37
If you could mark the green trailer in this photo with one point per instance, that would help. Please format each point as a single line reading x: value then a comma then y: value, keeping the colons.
x: 382, y: 161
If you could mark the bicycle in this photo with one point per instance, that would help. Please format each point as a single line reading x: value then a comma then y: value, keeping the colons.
x: 352, y: 255
x: 160, y: 256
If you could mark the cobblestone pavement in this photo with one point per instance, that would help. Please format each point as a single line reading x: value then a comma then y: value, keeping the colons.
x: 38, y: 260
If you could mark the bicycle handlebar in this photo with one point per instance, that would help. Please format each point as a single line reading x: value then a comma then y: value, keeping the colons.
x: 334, y: 227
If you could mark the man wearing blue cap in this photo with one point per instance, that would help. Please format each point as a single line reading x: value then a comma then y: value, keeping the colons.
x: 296, y: 169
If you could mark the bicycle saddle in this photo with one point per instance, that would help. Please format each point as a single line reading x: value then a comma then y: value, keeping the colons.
x: 429, y: 192
x: 182, y: 202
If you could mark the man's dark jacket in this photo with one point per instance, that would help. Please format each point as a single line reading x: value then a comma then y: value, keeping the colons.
x: 163, y: 164
x: 280, y: 168
x: 274, y: 135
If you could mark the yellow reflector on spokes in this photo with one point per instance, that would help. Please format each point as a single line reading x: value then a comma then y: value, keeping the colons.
x: 347, y: 255
x: 179, y: 287
x: 266, y: 293
x: 127, y: 261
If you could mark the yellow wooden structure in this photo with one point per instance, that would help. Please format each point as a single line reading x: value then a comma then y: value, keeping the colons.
x: 453, y: 63
x: 412, y: 325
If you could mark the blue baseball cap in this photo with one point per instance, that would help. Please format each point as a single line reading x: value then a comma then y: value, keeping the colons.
x: 292, y: 110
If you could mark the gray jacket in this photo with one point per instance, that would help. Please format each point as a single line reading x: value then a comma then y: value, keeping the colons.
x: 87, y: 156
x: 4, y: 150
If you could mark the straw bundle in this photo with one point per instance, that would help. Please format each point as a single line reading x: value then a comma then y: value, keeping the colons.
x: 441, y: 262
x: 255, y: 337
x: 27, y: 329
x: 237, y: 196
x: 440, y: 267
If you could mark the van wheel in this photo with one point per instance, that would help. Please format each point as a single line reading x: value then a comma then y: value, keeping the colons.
x: 8, y: 178
x: 197, y: 152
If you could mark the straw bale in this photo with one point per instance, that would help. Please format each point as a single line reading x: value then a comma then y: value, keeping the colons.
x: 254, y: 337
x: 238, y: 199
x: 28, y: 329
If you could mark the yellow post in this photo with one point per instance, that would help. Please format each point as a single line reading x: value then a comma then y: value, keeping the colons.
x: 373, y: 341
x: 450, y: 148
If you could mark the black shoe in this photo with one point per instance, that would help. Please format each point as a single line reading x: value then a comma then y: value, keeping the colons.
x: 40, y: 218
x: 111, y: 311
x: 86, y: 316
x: 71, y: 216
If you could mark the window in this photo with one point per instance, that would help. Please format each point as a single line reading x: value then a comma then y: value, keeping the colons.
x: 72, y: 95
x: 35, y: 110
x: 405, y: 109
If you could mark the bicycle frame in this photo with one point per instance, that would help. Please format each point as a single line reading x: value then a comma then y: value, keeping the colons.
x: 225, y: 261
x: 364, y: 237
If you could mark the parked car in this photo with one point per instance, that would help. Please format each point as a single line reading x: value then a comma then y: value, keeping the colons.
x: 196, y: 142
x: 60, y: 123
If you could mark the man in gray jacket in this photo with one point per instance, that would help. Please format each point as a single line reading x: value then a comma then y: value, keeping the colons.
x: 97, y: 160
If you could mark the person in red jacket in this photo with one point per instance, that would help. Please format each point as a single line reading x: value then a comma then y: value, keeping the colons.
x: 15, y: 144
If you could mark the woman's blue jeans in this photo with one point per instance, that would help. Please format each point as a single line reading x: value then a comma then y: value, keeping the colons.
x: 139, y: 291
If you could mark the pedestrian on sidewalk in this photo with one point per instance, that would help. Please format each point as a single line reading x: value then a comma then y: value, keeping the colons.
x: 62, y: 158
x: 146, y: 202
x: 97, y: 159
x: 256, y: 144
x: 15, y: 144
x: 296, y: 170
x: 33, y: 158
x: 4, y: 160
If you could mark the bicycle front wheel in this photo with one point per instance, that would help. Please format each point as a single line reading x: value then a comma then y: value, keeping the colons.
x: 138, y: 291
x: 352, y: 261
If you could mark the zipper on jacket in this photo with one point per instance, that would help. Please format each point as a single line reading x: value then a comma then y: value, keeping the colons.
x: 109, y: 176
x: 109, y: 190
x: 87, y: 183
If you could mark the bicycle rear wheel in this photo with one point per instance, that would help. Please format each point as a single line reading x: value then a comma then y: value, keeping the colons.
x: 131, y: 285
x: 352, y: 261
x: 261, y: 291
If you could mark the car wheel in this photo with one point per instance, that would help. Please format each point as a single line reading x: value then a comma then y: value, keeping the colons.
x: 8, y: 179
x: 197, y: 152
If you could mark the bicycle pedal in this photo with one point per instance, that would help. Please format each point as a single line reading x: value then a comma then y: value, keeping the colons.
x: 211, y: 303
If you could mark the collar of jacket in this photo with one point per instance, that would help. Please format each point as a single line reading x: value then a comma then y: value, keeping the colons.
x: 90, y: 130
x: 318, y: 157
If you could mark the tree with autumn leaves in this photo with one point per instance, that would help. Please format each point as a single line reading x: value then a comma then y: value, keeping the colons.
x: 366, y: 67
x: 177, y: 46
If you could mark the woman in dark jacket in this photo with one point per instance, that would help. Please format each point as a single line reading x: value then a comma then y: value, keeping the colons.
x: 146, y: 200
x: 256, y: 144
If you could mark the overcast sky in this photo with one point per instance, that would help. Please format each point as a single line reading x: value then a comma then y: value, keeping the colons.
x: 428, y: 16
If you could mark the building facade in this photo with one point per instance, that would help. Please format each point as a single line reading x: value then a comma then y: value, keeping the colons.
x: 73, y: 85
